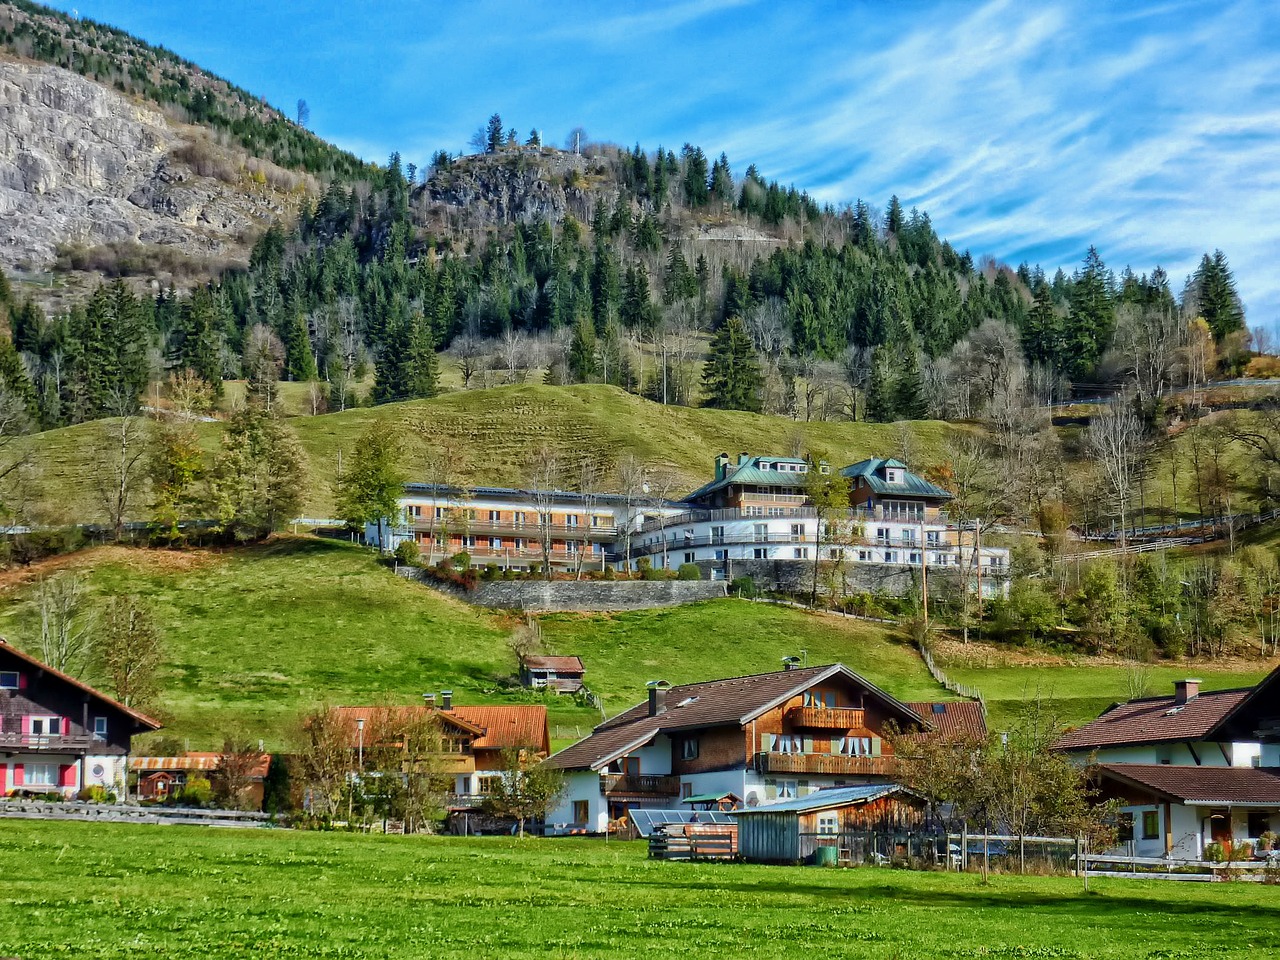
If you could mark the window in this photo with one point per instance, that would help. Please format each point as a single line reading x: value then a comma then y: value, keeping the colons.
x: 494, y: 516
x: 801, y: 553
x: 519, y: 518
x: 836, y: 553
x: 469, y: 541
x: 495, y: 543
x: 686, y: 790
x: 689, y: 748
x: 99, y: 728
x: 761, y: 533
x: 760, y: 553
x: 8, y: 679
x: 882, y: 534
x: 581, y: 811
x: 864, y: 555
x: 40, y: 775
x: 440, y: 544
x: 595, y: 522
x: 520, y: 543
x: 1259, y: 823
x: 786, y: 789
x: 828, y: 824
x: 1150, y: 824
x: 571, y: 546
x: 414, y: 511
x: 571, y: 520
x: 913, y: 557
x: 1124, y: 828
x: 717, y: 534
x: 46, y: 726
x: 688, y: 558
x: 797, y: 532
x: 722, y: 554
x: 933, y: 537
x: 908, y: 536
x: 439, y: 513
x: 891, y: 556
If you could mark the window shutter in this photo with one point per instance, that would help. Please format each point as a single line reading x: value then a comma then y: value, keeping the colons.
x: 22, y: 681
x: 767, y: 741
x: 66, y: 726
x: 808, y: 744
x: 875, y: 746
x: 804, y: 789
x: 19, y: 774
x: 67, y: 775
x: 837, y: 745
x: 770, y: 791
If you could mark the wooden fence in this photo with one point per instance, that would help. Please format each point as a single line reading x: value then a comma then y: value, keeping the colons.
x: 694, y: 841
x: 1158, y: 868
x: 963, y: 689
x: 128, y: 813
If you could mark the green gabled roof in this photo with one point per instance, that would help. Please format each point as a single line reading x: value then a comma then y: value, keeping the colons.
x: 872, y: 470
x: 750, y: 472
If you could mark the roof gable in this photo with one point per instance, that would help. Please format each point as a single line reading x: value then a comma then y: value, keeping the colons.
x: 1259, y: 709
x: 873, y: 472
x: 1154, y: 720
x: 1216, y: 785
x: 711, y: 703
x: 13, y: 654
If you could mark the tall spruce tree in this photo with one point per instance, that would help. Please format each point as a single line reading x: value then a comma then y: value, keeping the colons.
x: 584, y: 364
x: 1216, y: 297
x: 1093, y: 317
x: 880, y: 389
x: 731, y: 379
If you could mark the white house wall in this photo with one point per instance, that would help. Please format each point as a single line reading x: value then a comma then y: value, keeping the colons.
x: 580, y: 785
x: 1179, y: 754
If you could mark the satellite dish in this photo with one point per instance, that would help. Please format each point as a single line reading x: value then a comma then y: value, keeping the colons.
x: 753, y: 799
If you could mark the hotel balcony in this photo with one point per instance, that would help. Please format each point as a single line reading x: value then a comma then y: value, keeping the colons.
x: 823, y: 763
x: 530, y: 529
x: 621, y: 784
x: 827, y: 718
x: 49, y: 743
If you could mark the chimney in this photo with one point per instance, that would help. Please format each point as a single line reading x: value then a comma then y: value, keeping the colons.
x: 722, y: 466
x: 430, y: 700
x: 657, y: 697
x: 1185, y: 690
x: 790, y: 663
x: 743, y: 457
x: 446, y: 699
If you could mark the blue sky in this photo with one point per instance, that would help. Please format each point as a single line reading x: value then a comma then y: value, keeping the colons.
x: 1026, y: 130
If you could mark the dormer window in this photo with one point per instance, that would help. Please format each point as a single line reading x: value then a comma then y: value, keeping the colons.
x: 893, y: 475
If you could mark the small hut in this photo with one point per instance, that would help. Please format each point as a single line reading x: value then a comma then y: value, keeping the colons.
x: 723, y: 802
x: 848, y: 819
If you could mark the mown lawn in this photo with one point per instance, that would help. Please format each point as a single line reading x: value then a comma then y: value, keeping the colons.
x: 108, y: 891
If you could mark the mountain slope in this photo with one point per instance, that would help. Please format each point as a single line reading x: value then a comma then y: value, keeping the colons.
x: 496, y: 431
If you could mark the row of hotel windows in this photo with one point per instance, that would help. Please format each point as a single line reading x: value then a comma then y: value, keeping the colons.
x: 471, y: 542
x: 910, y: 557
x: 518, y: 517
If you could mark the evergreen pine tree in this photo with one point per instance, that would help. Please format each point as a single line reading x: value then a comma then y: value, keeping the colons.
x: 1216, y: 297
x: 1093, y: 317
x: 731, y: 379
x: 422, y: 374
x: 584, y: 365
x: 493, y: 134
x: 908, y: 392
x: 880, y: 391
x: 299, y: 362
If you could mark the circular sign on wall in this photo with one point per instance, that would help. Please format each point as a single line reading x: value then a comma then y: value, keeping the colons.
x: 98, y: 771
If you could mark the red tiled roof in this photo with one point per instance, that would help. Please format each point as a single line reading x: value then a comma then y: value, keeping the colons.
x: 194, y: 761
x: 566, y: 664
x: 1216, y: 785
x: 734, y: 700
x: 1154, y: 720
x: 493, y: 727
x: 509, y: 726
x: 142, y: 718
x: 956, y: 717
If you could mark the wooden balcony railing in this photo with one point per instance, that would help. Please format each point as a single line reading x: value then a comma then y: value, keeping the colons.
x: 823, y: 763
x: 50, y: 743
x: 827, y: 718
x: 657, y: 786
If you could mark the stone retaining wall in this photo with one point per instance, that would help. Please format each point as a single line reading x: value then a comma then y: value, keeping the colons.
x: 586, y: 595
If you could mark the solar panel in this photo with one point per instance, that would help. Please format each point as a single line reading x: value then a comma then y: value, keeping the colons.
x: 647, y: 821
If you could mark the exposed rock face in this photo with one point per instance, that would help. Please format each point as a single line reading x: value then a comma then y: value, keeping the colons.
x: 520, y: 187
x: 81, y: 164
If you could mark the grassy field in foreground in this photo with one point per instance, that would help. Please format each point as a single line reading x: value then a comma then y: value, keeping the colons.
x: 110, y: 892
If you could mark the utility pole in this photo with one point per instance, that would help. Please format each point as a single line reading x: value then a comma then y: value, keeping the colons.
x: 924, y: 573
x: 977, y: 531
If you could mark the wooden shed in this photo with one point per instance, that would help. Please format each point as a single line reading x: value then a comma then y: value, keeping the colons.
x: 793, y: 830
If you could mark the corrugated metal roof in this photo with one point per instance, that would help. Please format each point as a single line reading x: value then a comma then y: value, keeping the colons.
x: 829, y: 797
x: 912, y: 485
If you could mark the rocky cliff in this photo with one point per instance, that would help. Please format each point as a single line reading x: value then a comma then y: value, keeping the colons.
x: 83, y: 166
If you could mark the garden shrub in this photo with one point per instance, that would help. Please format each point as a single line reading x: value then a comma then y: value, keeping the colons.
x: 689, y: 571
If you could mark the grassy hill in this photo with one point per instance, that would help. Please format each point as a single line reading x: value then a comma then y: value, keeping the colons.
x: 497, y: 428
x: 256, y: 636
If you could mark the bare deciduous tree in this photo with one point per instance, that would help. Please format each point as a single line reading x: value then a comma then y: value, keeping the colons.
x: 65, y: 623
x: 1114, y: 438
